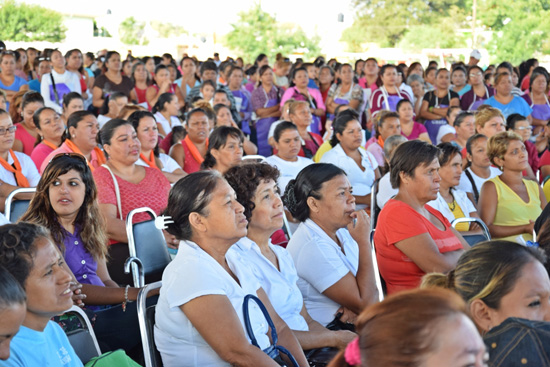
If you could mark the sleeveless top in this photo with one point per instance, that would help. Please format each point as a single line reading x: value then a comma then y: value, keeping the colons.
x: 190, y: 164
x: 513, y: 211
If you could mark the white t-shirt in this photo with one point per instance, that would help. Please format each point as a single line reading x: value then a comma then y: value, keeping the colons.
x: 167, y: 126
x: 320, y: 264
x: 462, y: 201
x: 64, y: 84
x: 102, y: 120
x: 385, y: 191
x: 168, y: 163
x: 466, y: 185
x: 444, y: 130
x: 27, y: 167
x: 192, y: 274
x: 280, y: 286
x: 360, y: 180
x: 289, y: 170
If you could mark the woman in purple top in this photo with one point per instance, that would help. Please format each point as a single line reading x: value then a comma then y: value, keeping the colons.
x: 66, y: 203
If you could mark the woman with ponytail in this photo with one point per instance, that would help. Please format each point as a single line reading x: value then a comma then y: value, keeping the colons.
x: 420, y: 328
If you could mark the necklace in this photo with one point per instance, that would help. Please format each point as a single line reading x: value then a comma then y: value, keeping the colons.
x: 452, y: 204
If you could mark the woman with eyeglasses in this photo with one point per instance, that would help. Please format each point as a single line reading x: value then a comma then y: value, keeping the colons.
x: 9, y: 82
x: 16, y: 169
x: 478, y: 93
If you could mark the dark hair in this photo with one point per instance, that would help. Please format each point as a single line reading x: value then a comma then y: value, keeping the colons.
x: 218, y: 139
x: 107, y: 131
x: 428, y: 69
x: 246, y: 178
x: 400, y: 103
x: 208, y: 82
x: 382, y: 71
x: 134, y: 67
x: 11, y: 291
x: 308, y: 183
x: 301, y: 68
x: 340, y: 123
x: 18, y: 248
x: 178, y: 133
x: 512, y: 119
x: 408, y: 156
x: 163, y: 99
x: 471, y: 140
x: 69, y: 54
x: 233, y: 69
x: 36, y: 116
x: 194, y: 111
x: 451, y: 109
x: 67, y: 98
x: 112, y: 97
x: 281, y: 128
x: 135, y: 119
x: 208, y: 65
x: 190, y: 194
x: 447, y: 151
x: 382, y: 117
x: 108, y: 55
x: 488, y: 271
x: 539, y: 70
x: 220, y: 106
x: 259, y: 58
x: 506, y: 65
x: 461, y: 117
x: 76, y: 117
x: 31, y: 97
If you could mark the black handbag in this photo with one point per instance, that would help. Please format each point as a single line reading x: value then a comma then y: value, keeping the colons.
x: 274, y: 351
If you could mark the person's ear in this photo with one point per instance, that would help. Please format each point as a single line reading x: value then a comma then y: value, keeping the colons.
x: 215, y: 153
x: 499, y: 162
x: 196, y: 221
x: 403, y: 177
x: 482, y: 315
x: 107, y: 149
x: 313, y: 204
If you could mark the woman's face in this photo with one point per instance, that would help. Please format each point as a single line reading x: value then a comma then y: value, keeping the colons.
x: 459, y: 345
x: 523, y: 129
x: 74, y: 61
x: 23, y: 58
x: 67, y: 193
x: 476, y: 77
x: 223, y: 117
x: 337, y: 202
x: 28, y: 112
x: 325, y: 76
x: 127, y: 68
x: 389, y: 78
x: 359, y: 66
x: 351, y: 138
x: 236, y: 79
x: 516, y: 157
x: 479, y: 155
x: 267, y: 77
x: 162, y: 76
x: 262, y: 62
x: 124, y: 146
x: 540, y: 84
x: 515, y: 78
x: 44, y: 67
x: 267, y: 215
x: 148, y: 133
x: 417, y: 88
x: 51, y: 125
x: 114, y: 64
x: 458, y: 78
x: 197, y: 127
x: 302, y: 116
x: 529, y: 298
x: 58, y: 61
x: 226, y: 218
x: 452, y: 117
x: 418, y: 70
x: 188, y: 67
x: 424, y: 185
x: 301, y: 79
x: 346, y: 74
x: 430, y: 76
x: 228, y: 155
x: 450, y: 172
x: 140, y: 74
x: 370, y: 68
x: 8, y: 64
x: 85, y: 134
x: 116, y: 105
x: 48, y: 285
x: 443, y: 80
x: 7, y: 139
x: 11, y: 319
x: 492, y: 127
x: 504, y: 86
x: 466, y: 128
x: 76, y: 104
x: 406, y: 112
x: 173, y: 106
x: 289, y: 145
x: 150, y: 66
x: 391, y: 126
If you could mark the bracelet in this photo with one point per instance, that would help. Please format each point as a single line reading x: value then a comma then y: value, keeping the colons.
x: 125, y: 298
x: 430, y: 109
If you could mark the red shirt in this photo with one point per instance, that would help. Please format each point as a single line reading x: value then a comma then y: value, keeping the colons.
x: 397, y: 222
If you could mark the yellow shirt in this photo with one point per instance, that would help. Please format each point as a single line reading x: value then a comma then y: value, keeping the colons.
x: 458, y: 213
x: 513, y: 211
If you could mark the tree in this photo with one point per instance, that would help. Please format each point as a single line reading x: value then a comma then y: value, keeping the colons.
x: 167, y: 30
x: 132, y: 32
x: 25, y: 22
x: 259, y: 32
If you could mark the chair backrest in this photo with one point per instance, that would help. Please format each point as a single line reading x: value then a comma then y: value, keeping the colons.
x: 254, y: 157
x: 476, y: 238
x: 286, y: 226
x: 380, y: 284
x: 147, y: 243
x: 15, y: 208
x: 374, y: 211
x: 146, y: 319
x: 83, y: 340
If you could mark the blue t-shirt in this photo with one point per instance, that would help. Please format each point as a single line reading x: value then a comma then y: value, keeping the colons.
x: 49, y: 348
x: 15, y: 86
x: 312, y: 84
x: 35, y: 85
x: 516, y: 105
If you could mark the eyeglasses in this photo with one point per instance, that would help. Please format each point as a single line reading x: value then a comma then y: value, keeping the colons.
x: 9, y: 130
x: 475, y: 74
x: 44, y: 59
x: 521, y: 128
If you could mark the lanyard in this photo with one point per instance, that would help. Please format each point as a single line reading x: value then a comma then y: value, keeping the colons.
x: 386, y: 96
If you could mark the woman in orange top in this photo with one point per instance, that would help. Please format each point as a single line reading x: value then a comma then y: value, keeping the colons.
x: 81, y: 137
x: 191, y: 151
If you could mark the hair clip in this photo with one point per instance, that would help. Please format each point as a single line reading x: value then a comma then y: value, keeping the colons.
x: 162, y: 221
x: 532, y: 244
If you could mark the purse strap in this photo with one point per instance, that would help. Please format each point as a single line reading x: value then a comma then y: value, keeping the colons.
x: 273, y: 348
x: 54, y: 89
x: 117, y: 191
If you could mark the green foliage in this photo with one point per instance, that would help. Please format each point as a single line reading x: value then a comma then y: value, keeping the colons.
x: 25, y: 22
x: 132, y: 32
x: 167, y: 30
x: 259, y: 32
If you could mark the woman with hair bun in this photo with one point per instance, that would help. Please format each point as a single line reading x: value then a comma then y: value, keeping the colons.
x: 331, y: 247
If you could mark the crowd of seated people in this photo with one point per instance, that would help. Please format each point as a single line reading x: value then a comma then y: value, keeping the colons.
x: 229, y: 155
